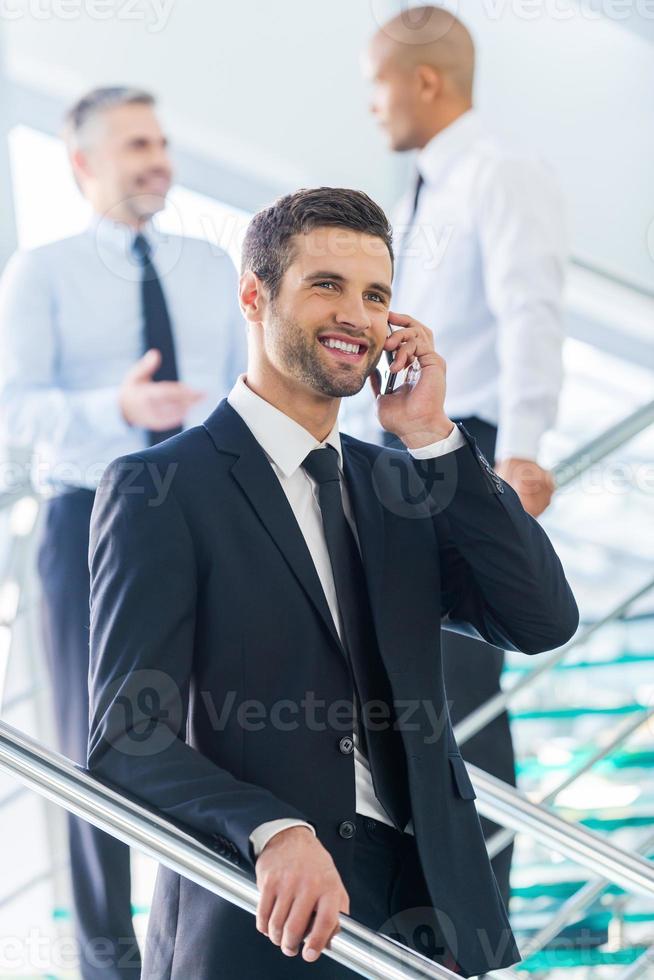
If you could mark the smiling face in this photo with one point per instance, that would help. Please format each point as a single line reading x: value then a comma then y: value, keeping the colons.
x: 325, y: 329
x: 125, y: 170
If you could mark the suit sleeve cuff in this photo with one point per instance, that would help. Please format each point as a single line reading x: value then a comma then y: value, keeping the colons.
x: 262, y: 834
x: 454, y: 441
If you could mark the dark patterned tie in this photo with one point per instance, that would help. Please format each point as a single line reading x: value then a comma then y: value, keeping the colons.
x: 157, y: 329
x: 417, y: 189
x: 382, y: 745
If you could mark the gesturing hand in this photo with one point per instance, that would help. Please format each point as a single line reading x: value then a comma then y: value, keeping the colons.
x: 300, y: 892
x: 155, y: 405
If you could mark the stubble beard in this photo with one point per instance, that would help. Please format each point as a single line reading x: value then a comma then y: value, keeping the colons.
x: 301, y: 358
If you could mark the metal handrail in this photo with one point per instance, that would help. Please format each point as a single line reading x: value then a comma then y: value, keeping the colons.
x: 72, y: 787
x: 491, y: 709
x: 617, y: 435
x: 496, y: 844
x: 510, y: 808
x: 51, y: 775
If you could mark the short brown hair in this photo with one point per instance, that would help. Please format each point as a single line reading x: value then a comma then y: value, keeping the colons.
x: 268, y: 249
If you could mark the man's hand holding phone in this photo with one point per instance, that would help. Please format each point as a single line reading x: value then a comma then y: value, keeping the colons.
x: 413, y: 411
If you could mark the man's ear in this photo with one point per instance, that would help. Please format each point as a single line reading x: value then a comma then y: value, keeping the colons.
x: 80, y: 164
x: 430, y: 82
x: 252, y: 297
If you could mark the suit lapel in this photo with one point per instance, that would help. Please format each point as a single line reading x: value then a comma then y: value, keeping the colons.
x: 258, y: 481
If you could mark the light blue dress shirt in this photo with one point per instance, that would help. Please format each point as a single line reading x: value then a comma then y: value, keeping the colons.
x: 71, y: 326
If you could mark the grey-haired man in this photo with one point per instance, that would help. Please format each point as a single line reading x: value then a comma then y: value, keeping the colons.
x: 112, y: 340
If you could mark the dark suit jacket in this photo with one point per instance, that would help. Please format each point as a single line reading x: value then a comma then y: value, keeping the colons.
x: 213, y: 649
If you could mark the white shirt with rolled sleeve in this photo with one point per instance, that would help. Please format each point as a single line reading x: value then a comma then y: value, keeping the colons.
x: 482, y: 265
x: 286, y: 444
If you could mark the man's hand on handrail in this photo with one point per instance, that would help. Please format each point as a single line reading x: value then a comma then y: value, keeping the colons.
x: 301, y: 893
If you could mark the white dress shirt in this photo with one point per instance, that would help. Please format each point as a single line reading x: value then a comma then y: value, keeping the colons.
x: 71, y: 326
x: 286, y: 445
x: 482, y: 266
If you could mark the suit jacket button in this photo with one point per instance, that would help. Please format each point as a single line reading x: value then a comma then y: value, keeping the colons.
x: 347, y: 829
x: 346, y: 745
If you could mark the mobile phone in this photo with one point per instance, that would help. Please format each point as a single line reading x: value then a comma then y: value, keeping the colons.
x: 389, y: 380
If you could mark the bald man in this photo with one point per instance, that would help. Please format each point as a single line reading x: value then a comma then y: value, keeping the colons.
x: 481, y: 244
x: 480, y: 248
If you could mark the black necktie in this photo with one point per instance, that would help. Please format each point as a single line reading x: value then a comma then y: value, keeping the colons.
x: 416, y: 196
x: 400, y: 258
x: 157, y: 330
x: 382, y: 745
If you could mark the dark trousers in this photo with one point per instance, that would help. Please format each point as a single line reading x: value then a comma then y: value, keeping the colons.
x: 390, y: 895
x: 100, y: 867
x: 387, y: 893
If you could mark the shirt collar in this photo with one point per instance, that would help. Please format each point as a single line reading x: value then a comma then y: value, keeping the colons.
x: 285, y: 442
x: 444, y: 146
x: 119, y: 237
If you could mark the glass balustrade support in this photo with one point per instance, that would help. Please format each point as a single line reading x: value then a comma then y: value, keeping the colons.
x: 490, y: 710
x: 510, y: 808
x: 56, y: 778
x: 503, y: 838
x: 582, y: 459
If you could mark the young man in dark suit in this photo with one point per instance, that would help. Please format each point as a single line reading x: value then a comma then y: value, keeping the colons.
x: 267, y: 597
